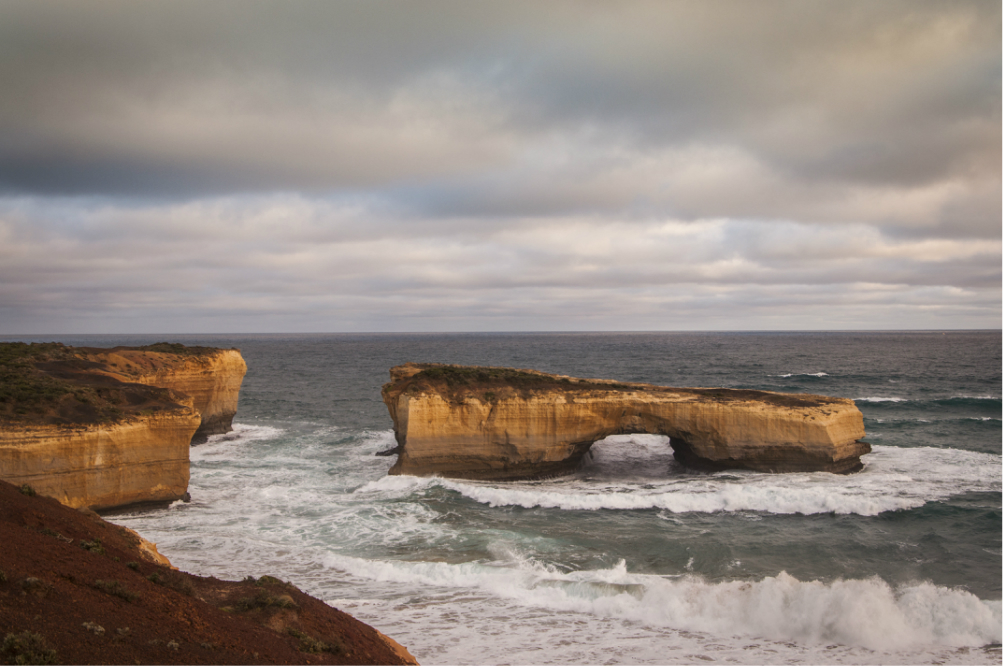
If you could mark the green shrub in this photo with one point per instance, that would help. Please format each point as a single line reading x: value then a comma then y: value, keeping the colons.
x: 28, y: 648
x: 174, y: 581
x: 311, y: 645
x: 132, y: 565
x: 264, y: 600
x: 115, y: 588
x: 268, y: 580
x: 93, y: 546
x: 28, y: 490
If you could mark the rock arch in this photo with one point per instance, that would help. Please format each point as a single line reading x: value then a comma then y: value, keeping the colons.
x: 501, y: 423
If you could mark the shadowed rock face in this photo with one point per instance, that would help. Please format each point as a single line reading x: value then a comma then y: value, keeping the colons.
x: 501, y: 423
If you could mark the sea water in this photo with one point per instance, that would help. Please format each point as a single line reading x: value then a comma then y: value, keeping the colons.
x: 633, y: 559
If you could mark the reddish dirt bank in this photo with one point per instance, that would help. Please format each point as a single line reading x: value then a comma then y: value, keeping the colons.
x: 83, y: 585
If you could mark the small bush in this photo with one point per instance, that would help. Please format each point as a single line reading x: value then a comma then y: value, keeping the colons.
x: 264, y: 600
x: 3, y: 576
x: 28, y: 648
x: 93, y: 546
x: 94, y: 628
x: 311, y: 645
x: 36, y: 586
x: 28, y: 490
x: 173, y: 581
x: 132, y: 565
x: 115, y: 588
x: 268, y: 580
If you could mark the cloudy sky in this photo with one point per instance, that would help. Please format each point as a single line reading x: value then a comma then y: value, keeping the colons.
x: 494, y: 166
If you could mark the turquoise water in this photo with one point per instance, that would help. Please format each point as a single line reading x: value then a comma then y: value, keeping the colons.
x: 633, y: 559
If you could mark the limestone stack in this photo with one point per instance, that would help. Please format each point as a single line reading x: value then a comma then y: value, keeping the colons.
x: 501, y: 423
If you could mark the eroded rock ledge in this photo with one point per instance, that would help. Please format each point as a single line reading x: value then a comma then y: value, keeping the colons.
x: 104, y: 428
x: 506, y: 424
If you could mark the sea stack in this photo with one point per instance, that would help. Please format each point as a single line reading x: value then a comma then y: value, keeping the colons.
x: 105, y: 428
x: 507, y: 424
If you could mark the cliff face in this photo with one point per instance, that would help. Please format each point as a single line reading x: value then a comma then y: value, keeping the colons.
x: 211, y: 378
x: 104, y: 428
x: 496, y: 423
x: 142, y: 459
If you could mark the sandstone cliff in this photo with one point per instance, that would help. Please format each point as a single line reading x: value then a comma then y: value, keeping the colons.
x: 500, y: 423
x: 103, y: 428
x: 212, y: 377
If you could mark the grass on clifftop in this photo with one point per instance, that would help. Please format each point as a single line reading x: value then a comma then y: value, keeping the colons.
x: 176, y: 348
x: 26, y: 393
x: 458, y: 378
x: 63, y: 392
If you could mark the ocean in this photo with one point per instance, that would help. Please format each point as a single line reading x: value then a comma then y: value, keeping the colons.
x: 633, y: 559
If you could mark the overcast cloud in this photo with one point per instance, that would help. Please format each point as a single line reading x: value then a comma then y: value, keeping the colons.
x: 251, y: 166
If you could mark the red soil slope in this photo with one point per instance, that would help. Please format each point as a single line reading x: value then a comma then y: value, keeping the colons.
x: 83, y: 585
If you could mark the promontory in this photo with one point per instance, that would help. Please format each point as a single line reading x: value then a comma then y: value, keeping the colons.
x: 105, y: 428
x: 507, y: 424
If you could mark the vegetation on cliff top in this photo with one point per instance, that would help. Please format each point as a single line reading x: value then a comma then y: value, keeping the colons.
x: 51, y: 384
x: 176, y: 348
x: 460, y: 379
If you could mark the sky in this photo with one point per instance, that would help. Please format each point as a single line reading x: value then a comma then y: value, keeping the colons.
x: 247, y: 167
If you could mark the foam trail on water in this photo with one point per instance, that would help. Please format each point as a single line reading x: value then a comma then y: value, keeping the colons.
x: 880, y: 399
x: 866, y: 613
x: 893, y: 479
x: 801, y: 374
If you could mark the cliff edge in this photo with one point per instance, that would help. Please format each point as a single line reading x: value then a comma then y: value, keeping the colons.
x: 502, y: 423
x: 104, y: 428
x: 75, y: 589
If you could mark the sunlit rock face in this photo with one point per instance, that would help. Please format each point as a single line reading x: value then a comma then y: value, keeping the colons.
x: 142, y: 459
x: 212, y: 378
x: 501, y: 423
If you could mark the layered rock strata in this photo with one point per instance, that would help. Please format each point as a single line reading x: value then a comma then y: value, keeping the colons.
x: 212, y: 377
x: 105, y: 428
x: 501, y: 423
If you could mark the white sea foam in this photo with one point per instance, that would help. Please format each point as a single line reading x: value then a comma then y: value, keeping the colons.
x: 802, y: 374
x: 866, y: 613
x: 880, y: 399
x: 247, y: 433
x: 893, y: 479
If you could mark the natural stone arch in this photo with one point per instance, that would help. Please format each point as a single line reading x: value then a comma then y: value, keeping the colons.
x: 501, y: 423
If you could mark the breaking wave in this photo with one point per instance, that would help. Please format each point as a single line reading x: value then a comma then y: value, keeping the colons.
x: 893, y: 479
x: 867, y: 613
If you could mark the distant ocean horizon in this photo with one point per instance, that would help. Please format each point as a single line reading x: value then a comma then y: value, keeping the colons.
x: 632, y: 559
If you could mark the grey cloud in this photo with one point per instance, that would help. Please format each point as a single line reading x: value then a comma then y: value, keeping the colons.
x: 436, y: 106
x: 57, y: 264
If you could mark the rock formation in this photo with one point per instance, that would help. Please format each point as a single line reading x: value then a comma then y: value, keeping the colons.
x: 212, y: 377
x: 501, y: 423
x: 104, y: 428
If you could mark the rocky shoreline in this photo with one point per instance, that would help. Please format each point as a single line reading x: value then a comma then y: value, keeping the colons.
x: 87, y: 429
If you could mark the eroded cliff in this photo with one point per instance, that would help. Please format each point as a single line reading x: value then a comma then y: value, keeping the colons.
x: 500, y: 423
x: 103, y: 428
x: 212, y: 377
